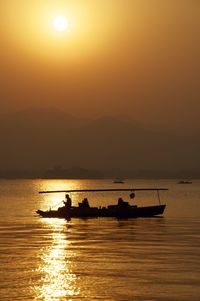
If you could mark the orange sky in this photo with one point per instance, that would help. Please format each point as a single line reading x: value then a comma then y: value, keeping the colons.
x: 139, y: 58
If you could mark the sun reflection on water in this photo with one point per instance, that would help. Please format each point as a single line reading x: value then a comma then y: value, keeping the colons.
x: 58, y: 282
x: 54, y: 200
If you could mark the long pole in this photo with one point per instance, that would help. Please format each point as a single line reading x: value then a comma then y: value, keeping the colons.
x: 158, y: 196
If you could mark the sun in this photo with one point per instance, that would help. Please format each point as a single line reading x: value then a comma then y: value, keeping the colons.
x: 60, y: 23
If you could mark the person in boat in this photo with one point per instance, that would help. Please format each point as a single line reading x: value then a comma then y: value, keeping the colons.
x: 68, y: 201
x: 84, y: 203
x: 122, y: 203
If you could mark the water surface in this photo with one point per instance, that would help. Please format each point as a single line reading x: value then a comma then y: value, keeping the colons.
x: 150, y: 259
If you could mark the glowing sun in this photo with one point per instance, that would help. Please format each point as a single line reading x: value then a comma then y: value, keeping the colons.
x: 60, y: 23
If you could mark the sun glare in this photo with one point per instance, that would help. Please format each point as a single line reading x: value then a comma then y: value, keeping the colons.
x: 60, y: 23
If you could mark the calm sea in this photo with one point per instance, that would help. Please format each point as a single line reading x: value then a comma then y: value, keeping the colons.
x: 144, y: 259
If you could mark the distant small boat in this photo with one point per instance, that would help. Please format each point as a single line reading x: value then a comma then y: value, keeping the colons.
x: 185, y: 182
x: 121, y: 210
x: 118, y: 181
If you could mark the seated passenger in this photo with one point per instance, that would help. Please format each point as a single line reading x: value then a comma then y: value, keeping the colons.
x: 122, y: 203
x: 84, y: 203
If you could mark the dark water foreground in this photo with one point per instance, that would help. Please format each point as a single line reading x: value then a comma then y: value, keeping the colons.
x: 150, y: 259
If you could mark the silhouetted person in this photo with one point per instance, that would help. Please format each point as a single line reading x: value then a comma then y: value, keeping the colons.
x: 68, y: 201
x: 122, y: 203
x: 85, y: 203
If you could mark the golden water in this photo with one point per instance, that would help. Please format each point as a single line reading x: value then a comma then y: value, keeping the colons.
x: 150, y: 259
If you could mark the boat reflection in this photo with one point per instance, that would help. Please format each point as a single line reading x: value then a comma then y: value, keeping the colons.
x: 58, y: 282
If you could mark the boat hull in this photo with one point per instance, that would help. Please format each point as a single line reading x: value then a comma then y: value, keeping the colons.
x: 110, y: 211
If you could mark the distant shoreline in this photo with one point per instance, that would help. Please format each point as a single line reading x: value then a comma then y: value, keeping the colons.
x: 106, y: 178
x: 95, y: 174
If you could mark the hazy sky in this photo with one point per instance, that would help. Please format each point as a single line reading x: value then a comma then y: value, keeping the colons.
x: 135, y: 57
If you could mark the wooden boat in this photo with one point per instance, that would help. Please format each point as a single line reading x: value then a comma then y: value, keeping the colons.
x: 121, y: 210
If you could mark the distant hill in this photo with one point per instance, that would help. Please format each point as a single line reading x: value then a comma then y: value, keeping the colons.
x: 44, y: 138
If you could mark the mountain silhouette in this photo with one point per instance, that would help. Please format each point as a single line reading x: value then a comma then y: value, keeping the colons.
x: 43, y: 138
